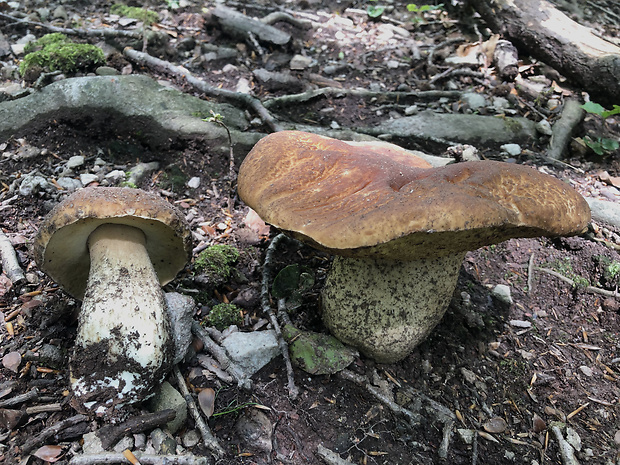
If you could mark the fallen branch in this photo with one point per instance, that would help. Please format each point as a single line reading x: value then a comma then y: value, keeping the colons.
x: 107, y: 32
x: 400, y: 97
x: 566, y: 450
x: 111, y: 434
x: 20, y: 399
x: 246, y: 100
x: 144, y: 459
x: 221, y: 356
x: 590, y: 289
x: 210, y: 441
x: 10, y: 265
x: 51, y: 431
x: 293, y: 391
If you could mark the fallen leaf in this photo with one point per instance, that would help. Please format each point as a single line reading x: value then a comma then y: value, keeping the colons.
x: 12, y: 360
x: 5, y: 284
x: 495, y: 425
x: 538, y: 424
x: 49, y: 453
x: 256, y: 224
x: 206, y: 400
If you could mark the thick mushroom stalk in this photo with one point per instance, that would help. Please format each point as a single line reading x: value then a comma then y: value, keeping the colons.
x: 123, y: 341
x: 385, y: 308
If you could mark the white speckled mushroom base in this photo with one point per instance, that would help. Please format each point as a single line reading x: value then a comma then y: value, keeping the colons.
x: 385, y: 308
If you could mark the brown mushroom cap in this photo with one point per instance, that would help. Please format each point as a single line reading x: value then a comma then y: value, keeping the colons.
x: 357, y: 201
x: 60, y: 246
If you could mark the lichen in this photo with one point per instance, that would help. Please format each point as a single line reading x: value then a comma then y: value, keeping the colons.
x: 141, y: 14
x: 224, y: 315
x: 217, y: 262
x: 55, y: 52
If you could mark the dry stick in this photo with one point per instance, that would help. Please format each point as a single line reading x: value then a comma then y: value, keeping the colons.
x: 79, y: 32
x: 208, y: 438
x: 401, y: 97
x: 566, y: 450
x: 20, y: 399
x: 51, y: 431
x: 145, y: 59
x: 331, y: 457
x: 293, y: 390
x: 530, y: 274
x: 10, y: 265
x: 111, y: 434
x: 590, y: 289
x: 221, y: 356
x: 111, y: 458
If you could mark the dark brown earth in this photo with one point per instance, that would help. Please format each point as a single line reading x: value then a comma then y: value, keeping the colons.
x: 551, y: 355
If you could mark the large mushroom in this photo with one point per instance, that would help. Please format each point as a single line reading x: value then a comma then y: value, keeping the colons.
x: 113, y: 248
x: 398, y: 227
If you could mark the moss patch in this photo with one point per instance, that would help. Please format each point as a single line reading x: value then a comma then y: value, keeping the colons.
x: 224, y: 315
x: 217, y: 262
x: 141, y: 14
x: 55, y: 52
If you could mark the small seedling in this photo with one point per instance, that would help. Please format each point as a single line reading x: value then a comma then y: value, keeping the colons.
x: 420, y: 10
x: 374, y: 10
x: 601, y: 145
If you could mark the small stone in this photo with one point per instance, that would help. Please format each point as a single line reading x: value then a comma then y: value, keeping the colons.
x: 502, y: 293
x: 411, y: 110
x: 60, y: 13
x: 139, y: 441
x: 87, y: 178
x: 194, y: 182
x: 75, y: 161
x: 495, y: 425
x: 511, y: 149
x: 520, y: 323
x: 31, y: 184
x: 106, y: 71
x: 586, y: 370
x: 92, y: 443
x: 115, y: 176
x: 544, y: 127
x: 69, y: 184
x: 300, y: 62
x: 501, y: 103
x: 252, y: 351
x: 509, y: 455
x: 181, y: 308
x: 123, y: 444
x: 474, y: 100
x: 191, y: 438
x: 466, y: 435
x: 469, y: 375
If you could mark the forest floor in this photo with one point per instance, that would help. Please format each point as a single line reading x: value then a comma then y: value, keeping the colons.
x: 491, y: 380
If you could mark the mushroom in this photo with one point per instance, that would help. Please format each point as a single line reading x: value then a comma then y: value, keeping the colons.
x: 398, y: 227
x: 113, y: 248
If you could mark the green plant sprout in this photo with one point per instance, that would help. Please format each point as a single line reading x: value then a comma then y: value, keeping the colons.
x: 601, y: 145
x: 141, y: 14
x: 374, y: 11
x: 419, y: 11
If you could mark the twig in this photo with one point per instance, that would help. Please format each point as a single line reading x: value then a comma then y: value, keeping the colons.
x: 145, y: 459
x: 566, y: 450
x: 530, y: 274
x: 572, y: 114
x: 293, y: 391
x: 362, y: 381
x: 590, y: 289
x: 254, y: 104
x: 221, y: 356
x: 108, y: 32
x: 51, y: 431
x: 20, y: 399
x: 208, y: 438
x: 10, y: 265
x: 111, y: 434
x: 331, y: 457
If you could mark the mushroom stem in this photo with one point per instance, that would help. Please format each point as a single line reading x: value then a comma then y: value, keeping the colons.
x: 123, y: 346
x: 385, y: 308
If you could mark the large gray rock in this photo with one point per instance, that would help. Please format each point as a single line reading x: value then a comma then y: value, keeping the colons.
x: 132, y: 104
x: 459, y: 128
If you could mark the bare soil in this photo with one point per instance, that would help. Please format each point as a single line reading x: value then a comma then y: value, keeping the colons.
x: 551, y: 355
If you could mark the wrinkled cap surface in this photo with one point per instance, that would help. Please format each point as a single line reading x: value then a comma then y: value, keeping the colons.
x: 60, y: 246
x: 357, y: 201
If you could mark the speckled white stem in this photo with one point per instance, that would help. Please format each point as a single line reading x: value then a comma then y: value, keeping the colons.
x: 123, y: 346
x: 385, y: 308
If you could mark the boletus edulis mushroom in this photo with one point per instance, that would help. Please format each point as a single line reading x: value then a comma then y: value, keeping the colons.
x: 398, y: 227
x: 113, y: 248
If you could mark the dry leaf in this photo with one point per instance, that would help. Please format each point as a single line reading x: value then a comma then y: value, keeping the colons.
x: 49, y: 453
x: 12, y: 360
x: 256, y: 224
x: 206, y: 400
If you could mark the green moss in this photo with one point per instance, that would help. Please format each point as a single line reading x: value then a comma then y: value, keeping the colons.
x: 141, y: 14
x: 224, y: 315
x: 217, y: 262
x: 55, y: 52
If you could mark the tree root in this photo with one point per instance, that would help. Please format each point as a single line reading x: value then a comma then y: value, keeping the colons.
x: 293, y: 390
x: 572, y: 114
x: 180, y: 72
x: 210, y: 441
x: 144, y: 459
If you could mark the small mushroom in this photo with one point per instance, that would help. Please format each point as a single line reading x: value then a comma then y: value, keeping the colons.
x: 113, y: 248
x: 399, y: 228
